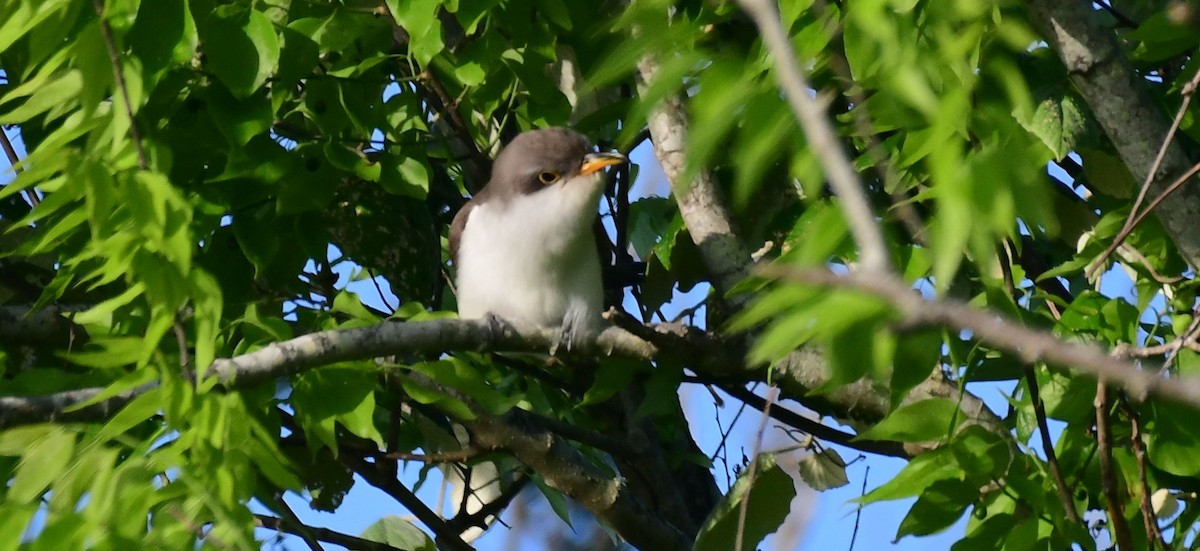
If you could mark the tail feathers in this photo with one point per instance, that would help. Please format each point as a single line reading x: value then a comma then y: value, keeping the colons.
x: 482, y: 486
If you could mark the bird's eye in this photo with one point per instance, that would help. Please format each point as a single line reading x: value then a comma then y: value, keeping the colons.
x: 548, y: 177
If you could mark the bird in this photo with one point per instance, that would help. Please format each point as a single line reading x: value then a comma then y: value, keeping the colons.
x: 522, y: 247
x: 524, y: 251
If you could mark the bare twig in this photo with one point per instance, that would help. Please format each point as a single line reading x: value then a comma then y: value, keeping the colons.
x: 306, y: 533
x: 858, y: 510
x: 873, y: 253
x: 378, y: 475
x: 1135, y: 220
x: 185, y: 359
x: 1188, y: 336
x: 323, y: 534
x: 456, y: 456
x: 772, y: 393
x: 1108, y: 478
x: 1139, y: 452
x: 1060, y: 483
x: 815, y: 428
x: 14, y: 161
x: 1121, y: 18
x: 1158, y: 158
x: 119, y: 78
x: 379, y: 292
x: 1125, y: 351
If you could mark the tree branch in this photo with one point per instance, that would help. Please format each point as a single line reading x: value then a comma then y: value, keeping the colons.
x: 1030, y: 345
x: 1123, y: 107
x: 1108, y: 477
x: 45, y: 327
x: 700, y: 202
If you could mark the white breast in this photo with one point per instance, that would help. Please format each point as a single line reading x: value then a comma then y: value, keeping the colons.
x: 532, y: 258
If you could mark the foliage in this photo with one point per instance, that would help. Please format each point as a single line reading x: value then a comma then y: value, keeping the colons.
x: 195, y: 170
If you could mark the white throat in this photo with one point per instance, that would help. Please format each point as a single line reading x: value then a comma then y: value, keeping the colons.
x: 532, y: 258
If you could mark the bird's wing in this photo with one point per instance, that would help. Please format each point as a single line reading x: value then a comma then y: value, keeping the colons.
x: 456, y: 228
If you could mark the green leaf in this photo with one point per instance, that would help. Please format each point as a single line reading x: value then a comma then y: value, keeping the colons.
x: 557, y: 501
x: 939, y: 506
x: 241, y: 48
x: 419, y: 19
x: 1174, y: 443
x: 613, y: 376
x: 924, y: 421
x: 59, y: 92
x: 404, y: 176
x: 42, y: 463
x: 649, y: 220
x: 1059, y: 122
x: 399, y: 533
x: 769, y: 495
x: 918, y: 353
x: 823, y: 470
x: 992, y: 530
x: 164, y: 32
x: 983, y: 454
x: 342, y: 394
x: 14, y: 518
x: 240, y: 119
x: 26, y: 16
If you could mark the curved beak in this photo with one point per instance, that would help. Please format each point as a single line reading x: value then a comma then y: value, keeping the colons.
x: 595, y: 162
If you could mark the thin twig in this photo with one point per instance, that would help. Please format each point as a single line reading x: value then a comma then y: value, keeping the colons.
x: 1108, y: 478
x: 1121, y: 18
x: 815, y: 428
x: 379, y: 291
x: 185, y: 359
x: 1189, y: 335
x: 324, y: 534
x: 1139, y: 453
x: 873, y: 254
x: 119, y: 77
x: 858, y: 510
x: 1123, y: 351
x: 772, y: 393
x: 1134, y: 217
x: 457, y: 456
x: 13, y: 161
x: 304, y: 531
x: 1060, y: 483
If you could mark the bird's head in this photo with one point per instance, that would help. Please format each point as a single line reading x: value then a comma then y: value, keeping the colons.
x: 539, y: 159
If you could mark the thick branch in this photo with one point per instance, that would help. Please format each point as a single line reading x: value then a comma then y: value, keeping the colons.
x: 700, y: 202
x: 45, y: 327
x: 1124, y: 108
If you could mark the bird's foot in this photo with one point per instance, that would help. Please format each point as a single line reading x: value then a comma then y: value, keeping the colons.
x: 577, y: 329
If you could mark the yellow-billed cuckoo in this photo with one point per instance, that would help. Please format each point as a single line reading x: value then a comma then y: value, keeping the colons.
x: 523, y: 247
x: 524, y: 250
